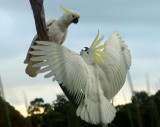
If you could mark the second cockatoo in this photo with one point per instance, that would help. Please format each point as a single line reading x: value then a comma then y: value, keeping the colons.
x: 94, y: 77
x: 57, y: 32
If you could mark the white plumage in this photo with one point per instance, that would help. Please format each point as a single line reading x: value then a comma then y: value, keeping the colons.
x: 57, y: 32
x: 93, y: 77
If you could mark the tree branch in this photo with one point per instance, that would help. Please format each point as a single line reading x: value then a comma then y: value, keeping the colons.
x: 39, y: 16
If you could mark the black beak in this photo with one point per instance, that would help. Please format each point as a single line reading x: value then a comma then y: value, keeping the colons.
x: 86, y: 48
x: 75, y: 20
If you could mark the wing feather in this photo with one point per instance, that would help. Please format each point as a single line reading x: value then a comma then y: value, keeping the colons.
x: 64, y: 65
x: 50, y: 74
x: 117, y: 63
x: 28, y: 56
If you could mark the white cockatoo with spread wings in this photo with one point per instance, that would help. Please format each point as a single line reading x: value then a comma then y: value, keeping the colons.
x: 57, y: 32
x: 94, y: 77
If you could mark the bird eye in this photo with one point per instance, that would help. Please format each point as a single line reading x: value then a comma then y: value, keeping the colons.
x: 87, y: 52
x: 73, y: 16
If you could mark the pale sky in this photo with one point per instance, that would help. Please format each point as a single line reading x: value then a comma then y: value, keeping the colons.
x: 137, y: 21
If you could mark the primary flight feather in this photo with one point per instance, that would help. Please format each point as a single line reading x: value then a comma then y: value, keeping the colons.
x: 94, y: 77
x: 57, y: 32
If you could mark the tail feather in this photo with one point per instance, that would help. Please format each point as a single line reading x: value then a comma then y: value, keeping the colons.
x: 31, y: 71
x: 96, y: 112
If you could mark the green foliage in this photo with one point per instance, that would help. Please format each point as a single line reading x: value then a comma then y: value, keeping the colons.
x: 139, y: 97
x: 60, y: 114
x: 35, y: 106
x: 47, y: 107
x: 17, y: 120
x: 144, y: 111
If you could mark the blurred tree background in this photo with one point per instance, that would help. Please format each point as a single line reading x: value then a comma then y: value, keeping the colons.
x: 16, y: 118
x: 143, y: 111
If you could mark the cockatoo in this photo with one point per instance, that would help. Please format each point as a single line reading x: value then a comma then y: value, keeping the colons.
x: 57, y: 32
x: 94, y: 77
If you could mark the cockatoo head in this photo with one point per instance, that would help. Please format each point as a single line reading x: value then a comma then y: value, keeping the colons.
x: 70, y: 15
x: 94, y: 54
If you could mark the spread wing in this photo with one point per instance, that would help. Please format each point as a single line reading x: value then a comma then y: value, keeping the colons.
x: 48, y: 24
x: 116, y: 63
x: 64, y: 65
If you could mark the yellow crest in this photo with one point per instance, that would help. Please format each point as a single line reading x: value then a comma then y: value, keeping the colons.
x: 65, y: 9
x: 96, y: 49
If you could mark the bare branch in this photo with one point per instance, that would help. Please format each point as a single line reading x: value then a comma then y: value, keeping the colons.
x: 39, y: 16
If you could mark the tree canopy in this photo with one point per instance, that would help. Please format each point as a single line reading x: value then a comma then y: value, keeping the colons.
x: 16, y: 119
x: 143, y: 111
